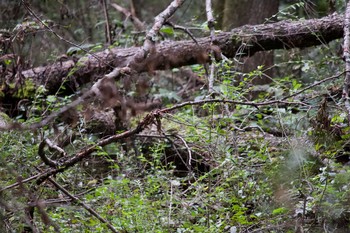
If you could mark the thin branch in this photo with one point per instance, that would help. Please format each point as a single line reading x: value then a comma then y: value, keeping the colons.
x: 314, y: 85
x: 186, y: 30
x: 51, y: 202
x: 162, y: 18
x: 129, y: 14
x: 189, y: 160
x: 42, y: 155
x: 208, y: 101
x: 21, y: 182
x: 78, y: 201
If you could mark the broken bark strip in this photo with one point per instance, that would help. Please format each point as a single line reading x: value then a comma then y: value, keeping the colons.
x: 247, y: 40
x: 346, y: 56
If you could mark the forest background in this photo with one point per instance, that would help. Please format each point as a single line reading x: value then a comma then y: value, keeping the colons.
x: 214, y: 116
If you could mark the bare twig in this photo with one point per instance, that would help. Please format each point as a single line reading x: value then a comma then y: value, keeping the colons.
x: 78, y: 201
x: 51, y: 202
x: 162, y: 18
x: 21, y: 182
x: 314, y: 85
x: 130, y: 14
x: 208, y: 101
x: 189, y: 160
x: 42, y: 155
x: 178, y: 27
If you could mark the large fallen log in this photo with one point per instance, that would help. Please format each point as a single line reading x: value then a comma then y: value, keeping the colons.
x: 246, y: 40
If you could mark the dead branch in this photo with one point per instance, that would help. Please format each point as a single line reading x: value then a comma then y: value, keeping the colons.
x: 78, y: 201
x: 42, y: 155
x: 130, y: 14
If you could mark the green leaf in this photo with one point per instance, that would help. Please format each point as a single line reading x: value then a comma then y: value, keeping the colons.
x: 279, y: 211
x: 168, y: 30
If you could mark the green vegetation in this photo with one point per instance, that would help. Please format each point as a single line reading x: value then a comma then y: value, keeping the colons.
x: 211, y: 167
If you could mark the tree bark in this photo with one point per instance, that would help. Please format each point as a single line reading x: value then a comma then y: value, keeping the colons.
x: 218, y: 7
x: 167, y: 55
x: 242, y: 12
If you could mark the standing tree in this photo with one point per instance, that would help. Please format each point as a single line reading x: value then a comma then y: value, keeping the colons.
x: 237, y: 13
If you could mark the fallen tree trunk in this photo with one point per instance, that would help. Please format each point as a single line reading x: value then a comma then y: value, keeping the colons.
x: 247, y: 40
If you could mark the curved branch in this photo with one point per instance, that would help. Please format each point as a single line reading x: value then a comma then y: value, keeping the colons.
x: 42, y: 155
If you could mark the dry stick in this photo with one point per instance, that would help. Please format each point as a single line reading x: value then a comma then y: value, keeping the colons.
x: 186, y: 30
x: 77, y: 200
x: 129, y: 14
x: 211, y: 77
x: 67, y: 200
x: 189, y: 157
x: 315, y: 84
x: 346, y: 55
x: 211, y: 23
x: 21, y: 182
x: 42, y: 155
x: 201, y: 102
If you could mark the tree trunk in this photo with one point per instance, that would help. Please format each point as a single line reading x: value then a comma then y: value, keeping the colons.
x: 218, y: 6
x: 242, y: 12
